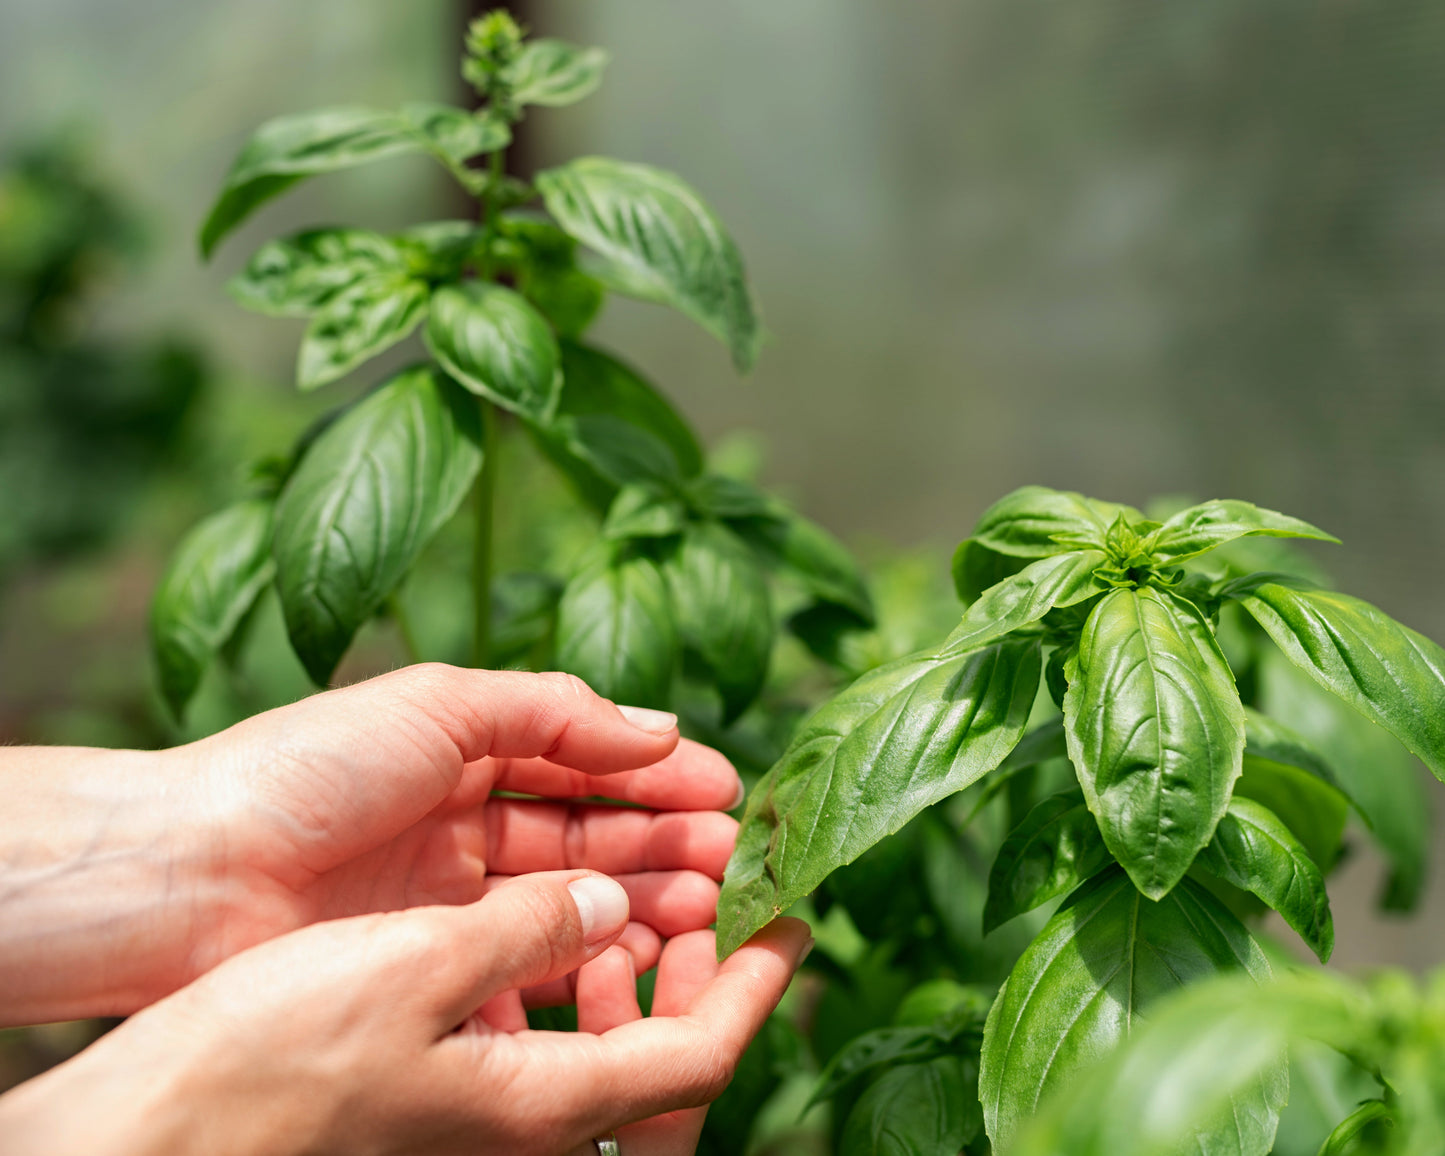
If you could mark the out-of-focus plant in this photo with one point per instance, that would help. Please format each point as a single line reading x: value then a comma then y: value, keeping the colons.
x: 1107, y: 725
x: 678, y: 588
x: 85, y: 420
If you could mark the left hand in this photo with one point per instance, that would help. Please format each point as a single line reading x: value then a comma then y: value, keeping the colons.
x: 129, y: 874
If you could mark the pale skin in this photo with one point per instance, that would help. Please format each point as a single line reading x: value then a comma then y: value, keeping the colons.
x: 325, y: 927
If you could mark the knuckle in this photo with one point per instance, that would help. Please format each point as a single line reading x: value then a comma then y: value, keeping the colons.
x: 568, y: 687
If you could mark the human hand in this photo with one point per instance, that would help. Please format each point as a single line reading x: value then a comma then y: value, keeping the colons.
x: 375, y: 1034
x: 367, y: 799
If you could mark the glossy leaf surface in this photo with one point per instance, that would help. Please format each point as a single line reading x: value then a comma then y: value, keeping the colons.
x: 365, y: 499
x: 1203, y: 527
x: 295, y: 276
x: 1155, y: 730
x: 496, y: 345
x: 902, y: 737
x: 289, y: 148
x: 723, y: 612
x: 616, y: 629
x: 212, y: 580
x: 357, y: 324
x: 917, y: 1110
x: 1025, y: 597
x: 1079, y: 989
x: 1386, y: 671
x: 660, y: 241
x: 1054, y: 848
x: 975, y: 568
x: 1253, y: 850
x: 1025, y: 522
x: 641, y: 512
x: 554, y: 73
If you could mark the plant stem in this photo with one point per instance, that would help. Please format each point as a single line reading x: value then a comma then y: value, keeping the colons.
x: 484, y: 500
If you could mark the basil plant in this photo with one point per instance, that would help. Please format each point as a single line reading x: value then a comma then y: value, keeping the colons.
x: 1136, y: 653
x: 679, y: 576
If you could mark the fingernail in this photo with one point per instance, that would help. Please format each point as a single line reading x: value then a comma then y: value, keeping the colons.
x: 601, y: 905
x: 654, y: 722
x: 739, y: 797
x: 807, y: 950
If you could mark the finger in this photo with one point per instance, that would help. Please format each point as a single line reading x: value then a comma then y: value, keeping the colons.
x: 504, y: 1011
x: 607, y: 992
x: 688, y: 964
x: 528, y: 931
x: 663, y: 1063
x: 525, y: 836
x: 669, y: 902
x: 638, y: 940
x: 692, y: 778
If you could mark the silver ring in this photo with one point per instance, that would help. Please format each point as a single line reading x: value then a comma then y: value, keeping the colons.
x: 607, y: 1145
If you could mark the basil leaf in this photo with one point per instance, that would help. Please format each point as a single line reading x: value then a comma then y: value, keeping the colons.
x: 1381, y: 778
x: 597, y: 385
x: 297, y: 275
x: 368, y: 495
x: 1253, y: 850
x: 1155, y: 730
x: 719, y: 496
x: 658, y: 241
x: 439, y: 250
x: 492, y: 342
x: 641, y: 512
x: 554, y: 73
x: 1386, y: 671
x: 568, y: 298
x: 357, y: 324
x: 817, y: 558
x: 1193, y: 531
x: 899, y: 739
x: 290, y: 148
x: 1050, y: 583
x: 976, y: 568
x: 1056, y: 847
x: 916, y: 1110
x: 1284, y: 773
x: 1025, y: 522
x: 1078, y: 990
x: 616, y: 630
x: 865, y: 1055
x: 723, y: 612
x: 524, y: 614
x: 211, y: 582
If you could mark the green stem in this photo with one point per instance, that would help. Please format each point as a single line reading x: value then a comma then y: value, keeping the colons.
x: 484, y: 500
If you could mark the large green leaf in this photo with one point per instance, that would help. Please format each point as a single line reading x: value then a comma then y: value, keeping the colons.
x: 1383, y: 781
x: 924, y: 1109
x: 658, y: 241
x: 365, y: 499
x: 554, y: 73
x: 1253, y: 850
x: 290, y: 148
x: 1054, y: 848
x: 494, y: 343
x: 899, y: 739
x: 616, y: 629
x: 1203, y: 527
x: 357, y: 324
x: 1386, y: 671
x: 1292, y: 779
x: 822, y: 563
x: 1078, y: 991
x: 1155, y: 730
x: 213, y: 579
x: 1057, y: 581
x: 596, y: 385
x: 1188, y: 1068
x: 976, y: 568
x: 723, y: 611
x: 1025, y: 522
x: 295, y: 276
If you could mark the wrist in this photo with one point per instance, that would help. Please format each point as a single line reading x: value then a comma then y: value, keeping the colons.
x: 109, y: 867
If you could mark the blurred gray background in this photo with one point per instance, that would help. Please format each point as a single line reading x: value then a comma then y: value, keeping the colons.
x: 1126, y: 249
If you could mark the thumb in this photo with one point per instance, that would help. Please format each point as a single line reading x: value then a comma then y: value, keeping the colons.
x: 528, y: 931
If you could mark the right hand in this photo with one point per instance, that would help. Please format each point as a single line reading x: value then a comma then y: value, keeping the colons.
x: 396, y: 1033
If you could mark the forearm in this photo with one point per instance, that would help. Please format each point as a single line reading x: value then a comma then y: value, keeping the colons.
x: 102, y: 871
